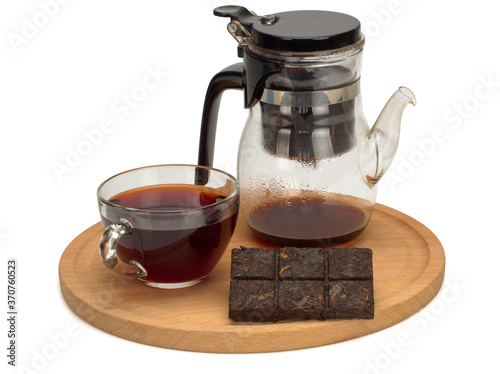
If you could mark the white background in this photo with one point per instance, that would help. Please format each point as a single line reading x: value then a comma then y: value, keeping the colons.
x: 63, y: 77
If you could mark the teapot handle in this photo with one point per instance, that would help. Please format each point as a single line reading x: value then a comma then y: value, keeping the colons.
x: 228, y: 78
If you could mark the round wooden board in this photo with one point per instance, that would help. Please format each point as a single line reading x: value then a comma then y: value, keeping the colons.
x: 408, y: 263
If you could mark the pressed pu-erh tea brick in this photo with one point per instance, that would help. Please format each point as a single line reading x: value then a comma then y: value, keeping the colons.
x: 272, y: 284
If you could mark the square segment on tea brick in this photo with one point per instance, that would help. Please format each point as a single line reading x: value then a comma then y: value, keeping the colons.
x: 350, y: 263
x: 301, y: 300
x: 350, y: 299
x: 255, y: 263
x: 301, y: 263
x: 252, y: 300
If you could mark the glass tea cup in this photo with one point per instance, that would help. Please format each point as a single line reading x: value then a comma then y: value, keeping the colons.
x: 167, y: 225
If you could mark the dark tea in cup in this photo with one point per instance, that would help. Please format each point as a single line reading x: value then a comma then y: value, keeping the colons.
x: 173, y: 225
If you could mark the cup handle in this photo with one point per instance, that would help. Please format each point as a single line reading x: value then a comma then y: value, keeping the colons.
x: 109, y: 242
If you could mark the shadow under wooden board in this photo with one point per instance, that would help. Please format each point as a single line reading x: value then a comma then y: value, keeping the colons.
x: 408, y: 269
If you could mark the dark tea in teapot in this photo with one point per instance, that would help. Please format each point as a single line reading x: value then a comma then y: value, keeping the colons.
x: 313, y: 221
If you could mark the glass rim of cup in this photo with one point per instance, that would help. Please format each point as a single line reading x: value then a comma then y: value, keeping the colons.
x: 231, y: 196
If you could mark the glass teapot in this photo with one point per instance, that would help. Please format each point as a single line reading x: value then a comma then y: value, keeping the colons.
x: 308, y: 164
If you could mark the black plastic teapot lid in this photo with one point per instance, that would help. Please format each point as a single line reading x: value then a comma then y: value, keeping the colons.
x: 297, y: 31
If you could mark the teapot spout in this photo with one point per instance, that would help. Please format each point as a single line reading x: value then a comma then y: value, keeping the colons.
x: 380, y: 146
